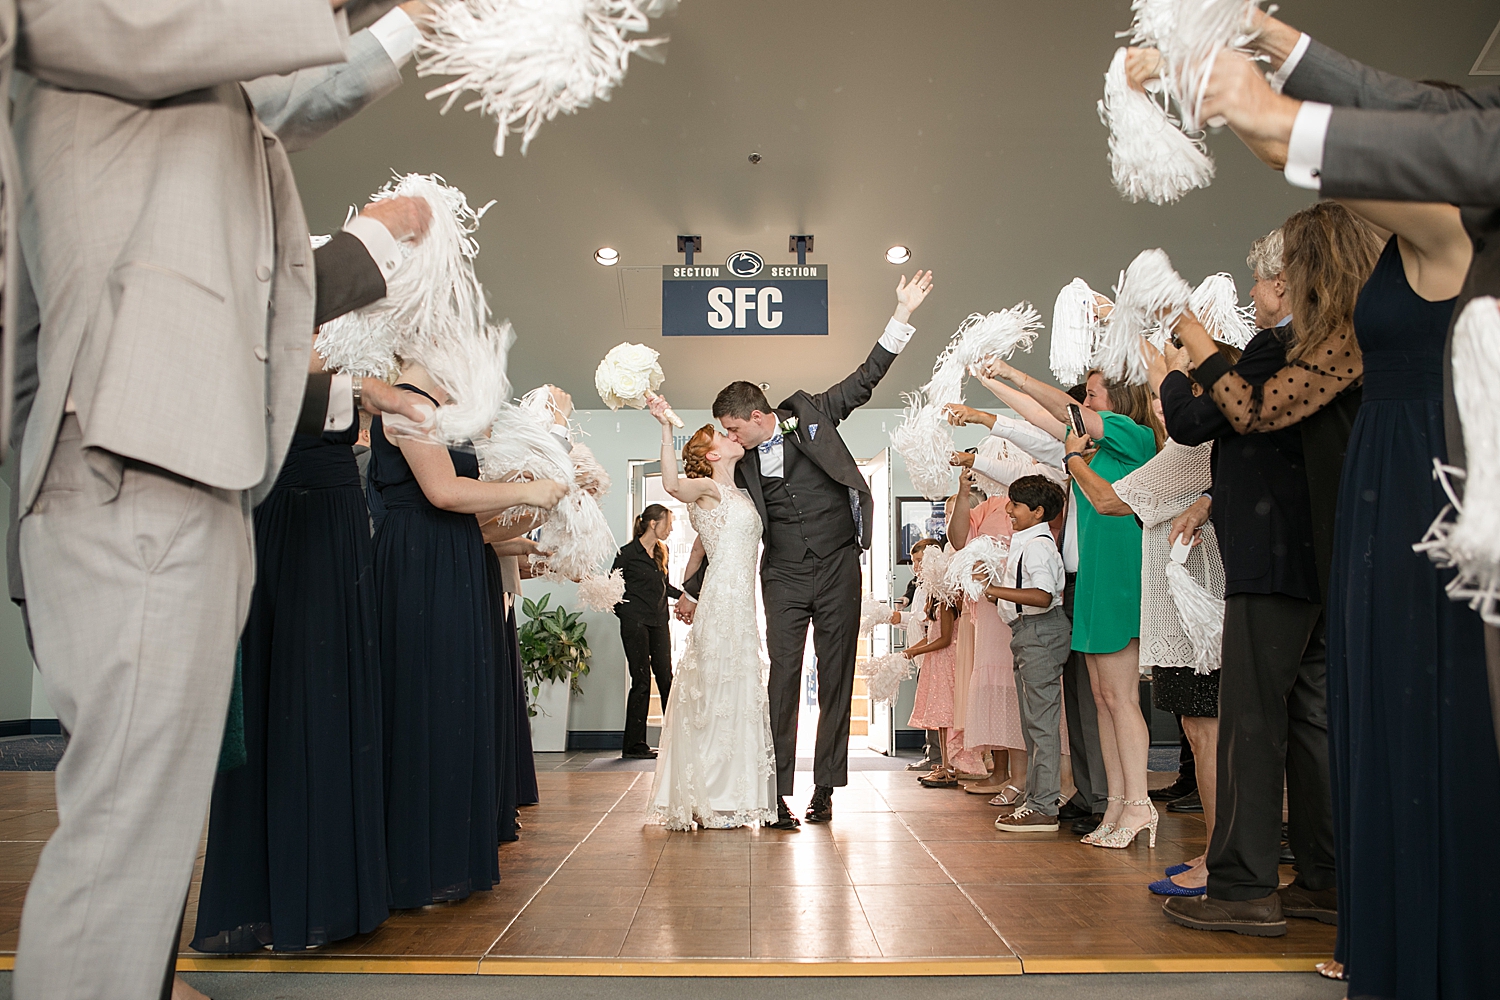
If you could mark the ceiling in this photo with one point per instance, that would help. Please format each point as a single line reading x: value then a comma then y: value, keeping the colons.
x: 965, y: 129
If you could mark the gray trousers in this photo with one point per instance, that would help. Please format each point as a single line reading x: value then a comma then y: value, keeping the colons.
x: 824, y: 592
x: 1040, y: 646
x: 137, y: 584
x: 1083, y: 725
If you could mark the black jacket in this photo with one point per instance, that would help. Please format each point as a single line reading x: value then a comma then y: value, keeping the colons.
x: 816, y: 438
x: 646, y: 586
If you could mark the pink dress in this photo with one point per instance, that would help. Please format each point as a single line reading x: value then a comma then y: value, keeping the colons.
x: 933, y: 706
x: 992, y: 718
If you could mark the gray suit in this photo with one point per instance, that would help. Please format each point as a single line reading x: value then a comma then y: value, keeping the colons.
x: 1389, y: 137
x: 169, y: 256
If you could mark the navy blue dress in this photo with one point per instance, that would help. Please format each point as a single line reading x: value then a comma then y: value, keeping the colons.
x: 436, y: 661
x: 296, y: 839
x: 1412, y: 747
x: 507, y: 685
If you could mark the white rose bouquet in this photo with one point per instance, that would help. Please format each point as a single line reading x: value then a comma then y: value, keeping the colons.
x: 629, y: 375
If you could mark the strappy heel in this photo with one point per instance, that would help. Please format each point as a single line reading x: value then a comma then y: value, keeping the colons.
x: 1122, y: 837
x: 1103, y: 829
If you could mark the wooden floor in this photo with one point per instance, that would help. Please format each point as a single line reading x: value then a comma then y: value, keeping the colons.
x: 906, y: 880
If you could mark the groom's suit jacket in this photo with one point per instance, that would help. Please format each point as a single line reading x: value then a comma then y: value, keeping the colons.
x: 816, y: 439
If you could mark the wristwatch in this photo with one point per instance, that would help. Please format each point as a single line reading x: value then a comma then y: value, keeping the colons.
x: 1071, y: 455
x: 358, y: 382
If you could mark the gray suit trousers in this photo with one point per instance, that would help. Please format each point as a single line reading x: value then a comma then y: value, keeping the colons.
x: 137, y: 584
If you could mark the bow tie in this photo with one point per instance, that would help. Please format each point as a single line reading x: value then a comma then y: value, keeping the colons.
x: 766, y: 446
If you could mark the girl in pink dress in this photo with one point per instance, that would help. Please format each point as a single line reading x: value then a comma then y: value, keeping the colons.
x: 933, y: 705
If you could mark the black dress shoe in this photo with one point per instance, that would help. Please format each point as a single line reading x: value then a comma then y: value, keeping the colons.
x: 1175, y: 790
x: 820, y: 809
x: 1070, y: 811
x: 638, y: 754
x: 784, y: 818
x: 1088, y: 824
x: 1190, y: 803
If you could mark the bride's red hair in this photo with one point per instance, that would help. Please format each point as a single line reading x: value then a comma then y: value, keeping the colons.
x: 695, y: 464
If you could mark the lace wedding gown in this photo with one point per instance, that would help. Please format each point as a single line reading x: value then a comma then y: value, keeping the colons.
x: 717, y: 766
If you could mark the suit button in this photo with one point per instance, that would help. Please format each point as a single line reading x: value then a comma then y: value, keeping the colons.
x: 263, y: 273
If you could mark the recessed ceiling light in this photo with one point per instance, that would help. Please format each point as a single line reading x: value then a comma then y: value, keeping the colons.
x: 608, y: 256
x: 898, y: 254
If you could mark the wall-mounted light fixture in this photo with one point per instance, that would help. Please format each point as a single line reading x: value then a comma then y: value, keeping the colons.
x: 898, y: 254
x: 608, y: 256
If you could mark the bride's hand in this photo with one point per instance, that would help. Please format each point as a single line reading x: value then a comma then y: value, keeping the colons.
x: 659, y: 409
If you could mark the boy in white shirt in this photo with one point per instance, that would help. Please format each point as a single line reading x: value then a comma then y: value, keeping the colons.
x: 1041, y: 637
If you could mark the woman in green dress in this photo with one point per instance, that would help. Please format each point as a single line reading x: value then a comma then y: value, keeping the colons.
x: 1124, y: 434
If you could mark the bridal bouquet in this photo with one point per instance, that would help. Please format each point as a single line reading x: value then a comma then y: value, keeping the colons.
x: 629, y: 375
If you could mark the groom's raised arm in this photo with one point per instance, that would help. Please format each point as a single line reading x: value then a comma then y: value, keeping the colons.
x: 843, y: 398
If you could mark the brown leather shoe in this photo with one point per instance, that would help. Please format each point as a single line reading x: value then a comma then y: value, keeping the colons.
x: 1312, y: 904
x: 1255, y: 917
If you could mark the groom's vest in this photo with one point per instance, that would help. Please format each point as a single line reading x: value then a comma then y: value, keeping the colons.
x: 806, y: 510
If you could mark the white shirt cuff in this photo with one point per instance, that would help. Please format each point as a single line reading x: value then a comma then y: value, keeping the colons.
x: 397, y: 35
x: 1304, y: 151
x: 1278, y: 79
x: 384, y: 249
x: 897, y: 335
x: 561, y: 430
x: 340, y: 403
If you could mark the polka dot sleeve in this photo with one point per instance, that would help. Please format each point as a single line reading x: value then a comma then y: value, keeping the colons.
x: 1292, y: 394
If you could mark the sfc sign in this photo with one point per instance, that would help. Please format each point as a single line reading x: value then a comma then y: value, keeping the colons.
x: 744, y: 297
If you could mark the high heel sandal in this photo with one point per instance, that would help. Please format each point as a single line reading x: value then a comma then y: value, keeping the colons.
x: 1122, y: 836
x: 1103, y: 829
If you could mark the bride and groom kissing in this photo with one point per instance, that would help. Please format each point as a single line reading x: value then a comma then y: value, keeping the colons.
x: 785, y: 478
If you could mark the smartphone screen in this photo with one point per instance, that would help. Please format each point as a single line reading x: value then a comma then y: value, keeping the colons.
x: 1075, y: 415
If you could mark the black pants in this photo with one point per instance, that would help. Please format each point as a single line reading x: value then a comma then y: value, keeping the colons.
x: 648, y: 650
x: 825, y: 592
x: 1273, y: 723
x: 1083, y: 725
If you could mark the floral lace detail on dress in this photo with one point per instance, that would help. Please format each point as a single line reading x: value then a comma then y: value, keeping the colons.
x: 717, y: 766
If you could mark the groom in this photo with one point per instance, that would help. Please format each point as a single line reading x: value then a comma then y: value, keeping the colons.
x: 816, y: 511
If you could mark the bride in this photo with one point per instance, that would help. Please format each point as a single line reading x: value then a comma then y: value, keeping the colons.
x: 717, y: 767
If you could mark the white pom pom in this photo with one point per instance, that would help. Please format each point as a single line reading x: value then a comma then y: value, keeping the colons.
x: 1216, y: 303
x: 588, y: 474
x: 471, y: 367
x: 1075, y: 331
x: 528, y: 61
x: 1472, y: 542
x: 873, y: 613
x: 356, y: 344
x: 982, y: 554
x: 934, y: 576
x: 924, y: 440
x: 576, y: 541
x: 1149, y: 156
x: 1202, y: 616
x: 1197, y: 31
x: 883, y: 677
x: 1150, y: 297
x: 520, y: 446
x: 602, y: 593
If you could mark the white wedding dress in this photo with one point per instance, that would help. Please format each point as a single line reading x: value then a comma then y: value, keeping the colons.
x: 717, y: 765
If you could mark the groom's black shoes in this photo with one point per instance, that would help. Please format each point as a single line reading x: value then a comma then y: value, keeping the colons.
x: 820, y: 809
x: 784, y: 818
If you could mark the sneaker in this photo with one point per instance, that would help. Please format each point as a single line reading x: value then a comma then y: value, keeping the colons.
x: 1027, y: 820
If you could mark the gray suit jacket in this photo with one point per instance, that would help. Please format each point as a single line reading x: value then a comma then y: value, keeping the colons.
x: 164, y: 234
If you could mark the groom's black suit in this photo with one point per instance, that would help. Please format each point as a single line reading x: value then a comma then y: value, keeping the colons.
x: 816, y: 518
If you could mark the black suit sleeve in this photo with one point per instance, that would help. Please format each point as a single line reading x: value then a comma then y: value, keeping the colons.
x: 1191, y: 420
x: 347, y: 278
x: 693, y: 585
x: 842, y: 399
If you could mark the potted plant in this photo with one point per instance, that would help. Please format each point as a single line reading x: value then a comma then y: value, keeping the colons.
x: 554, y: 654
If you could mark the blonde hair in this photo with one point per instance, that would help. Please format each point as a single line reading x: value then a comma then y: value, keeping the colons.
x: 1330, y: 253
x: 695, y: 464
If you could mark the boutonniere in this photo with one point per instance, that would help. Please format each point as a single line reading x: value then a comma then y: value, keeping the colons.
x: 787, y: 426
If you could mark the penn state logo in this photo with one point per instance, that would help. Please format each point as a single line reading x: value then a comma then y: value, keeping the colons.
x: 744, y: 264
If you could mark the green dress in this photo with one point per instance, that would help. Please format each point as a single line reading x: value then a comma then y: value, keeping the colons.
x: 1107, y: 597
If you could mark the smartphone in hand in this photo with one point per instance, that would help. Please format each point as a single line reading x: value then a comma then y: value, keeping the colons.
x: 1075, y: 417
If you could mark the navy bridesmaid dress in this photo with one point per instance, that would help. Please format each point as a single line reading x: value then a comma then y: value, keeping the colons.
x: 436, y: 660
x: 1413, y: 757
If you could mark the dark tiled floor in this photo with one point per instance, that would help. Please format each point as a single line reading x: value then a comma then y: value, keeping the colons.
x: 903, y: 872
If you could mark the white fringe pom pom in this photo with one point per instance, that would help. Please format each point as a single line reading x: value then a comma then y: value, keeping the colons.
x: 1189, y: 40
x: 576, y: 541
x: 471, y: 367
x: 873, y: 613
x: 588, y: 474
x: 1472, y: 542
x: 934, y: 576
x: 1075, y: 331
x: 1149, y: 155
x: 602, y: 593
x: 357, y: 345
x: 982, y: 554
x: 883, y: 677
x: 1202, y: 616
x: 924, y: 440
x: 528, y: 61
x: 1216, y: 303
x: 520, y: 446
x: 1150, y: 297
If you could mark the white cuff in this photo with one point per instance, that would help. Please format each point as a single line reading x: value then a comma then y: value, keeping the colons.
x: 340, y: 403
x: 1278, y: 79
x: 561, y: 430
x: 397, y: 35
x: 384, y: 249
x: 1304, y: 151
x: 897, y: 335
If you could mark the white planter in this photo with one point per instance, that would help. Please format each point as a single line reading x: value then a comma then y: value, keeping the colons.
x: 549, y: 726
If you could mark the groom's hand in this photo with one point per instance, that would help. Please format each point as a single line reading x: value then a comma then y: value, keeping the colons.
x: 685, y: 608
x: 910, y: 294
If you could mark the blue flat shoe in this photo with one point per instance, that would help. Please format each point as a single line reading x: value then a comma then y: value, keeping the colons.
x: 1178, y: 870
x: 1166, y: 887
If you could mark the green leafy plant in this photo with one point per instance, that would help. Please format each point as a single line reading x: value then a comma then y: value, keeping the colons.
x: 554, y: 647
